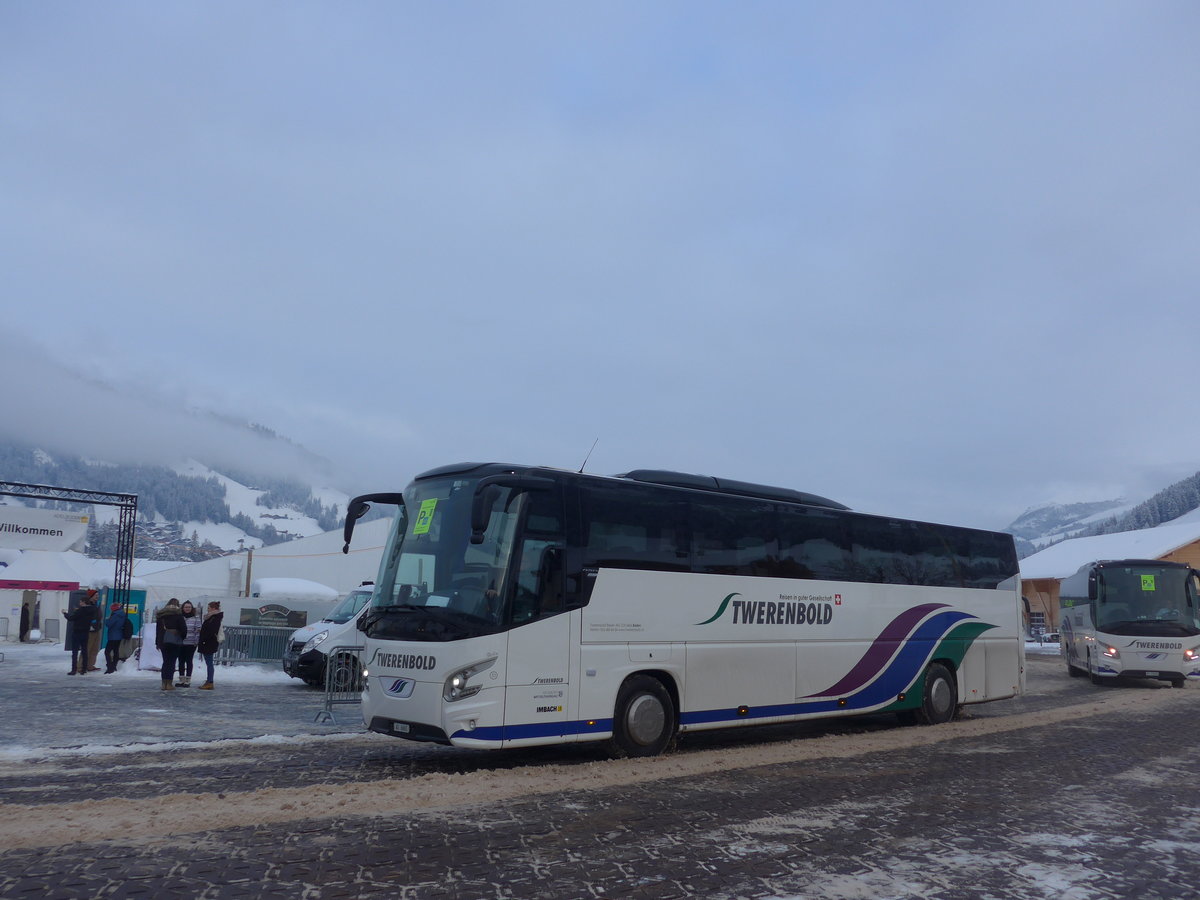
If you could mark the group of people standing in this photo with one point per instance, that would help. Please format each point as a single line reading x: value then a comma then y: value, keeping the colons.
x: 87, y: 627
x: 181, y: 632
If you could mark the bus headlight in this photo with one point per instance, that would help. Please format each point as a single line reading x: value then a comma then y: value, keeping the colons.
x: 457, y: 687
x: 1112, y: 653
x: 1191, y: 655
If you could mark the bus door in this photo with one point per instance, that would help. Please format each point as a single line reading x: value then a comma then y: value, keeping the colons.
x: 539, y: 640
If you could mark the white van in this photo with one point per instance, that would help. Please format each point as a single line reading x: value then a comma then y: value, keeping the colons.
x: 305, y: 656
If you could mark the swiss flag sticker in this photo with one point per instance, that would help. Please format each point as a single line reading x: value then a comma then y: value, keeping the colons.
x: 837, y: 599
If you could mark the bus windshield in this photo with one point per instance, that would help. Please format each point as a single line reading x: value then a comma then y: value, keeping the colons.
x: 1147, y: 600
x: 434, y: 584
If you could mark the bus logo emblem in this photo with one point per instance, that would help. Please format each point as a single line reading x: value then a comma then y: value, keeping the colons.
x: 401, y: 687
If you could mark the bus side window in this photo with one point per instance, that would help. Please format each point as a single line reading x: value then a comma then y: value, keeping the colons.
x: 539, y: 588
x: 538, y: 591
x: 625, y: 528
x: 734, y: 536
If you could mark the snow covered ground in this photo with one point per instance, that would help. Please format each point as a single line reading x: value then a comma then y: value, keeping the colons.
x: 1042, y: 649
x: 48, y: 712
x: 50, y: 660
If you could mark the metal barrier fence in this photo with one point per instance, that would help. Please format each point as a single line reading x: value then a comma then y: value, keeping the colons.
x: 343, y: 680
x: 253, y: 644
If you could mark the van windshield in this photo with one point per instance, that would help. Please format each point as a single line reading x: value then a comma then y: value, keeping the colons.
x: 349, y: 607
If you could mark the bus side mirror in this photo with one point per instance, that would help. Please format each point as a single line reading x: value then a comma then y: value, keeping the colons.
x: 357, y: 508
x: 1093, y: 590
x: 481, y: 509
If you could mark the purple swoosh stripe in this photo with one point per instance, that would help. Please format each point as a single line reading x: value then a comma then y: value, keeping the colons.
x: 881, y: 650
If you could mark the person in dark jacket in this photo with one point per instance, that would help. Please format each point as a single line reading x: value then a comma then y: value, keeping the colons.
x: 94, y: 631
x: 114, y: 633
x: 80, y: 619
x: 168, y: 638
x: 187, y: 653
x: 210, y: 639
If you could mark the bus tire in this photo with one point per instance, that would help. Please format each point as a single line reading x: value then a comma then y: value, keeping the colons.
x: 644, y: 719
x: 1074, y: 671
x: 1096, y: 679
x: 939, y: 701
x: 1178, y: 682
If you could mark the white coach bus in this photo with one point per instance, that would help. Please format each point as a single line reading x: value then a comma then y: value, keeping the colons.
x: 523, y: 605
x: 1132, y: 618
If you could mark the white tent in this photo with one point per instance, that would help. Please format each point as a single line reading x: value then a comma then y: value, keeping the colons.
x: 41, y: 578
x: 318, y: 558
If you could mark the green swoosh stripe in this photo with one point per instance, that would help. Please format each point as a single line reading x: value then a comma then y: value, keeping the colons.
x: 720, y: 609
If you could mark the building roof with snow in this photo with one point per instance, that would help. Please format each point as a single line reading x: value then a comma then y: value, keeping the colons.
x: 1061, y: 560
x: 294, y: 588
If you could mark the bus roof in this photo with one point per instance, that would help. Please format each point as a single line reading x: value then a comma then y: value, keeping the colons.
x: 649, y: 476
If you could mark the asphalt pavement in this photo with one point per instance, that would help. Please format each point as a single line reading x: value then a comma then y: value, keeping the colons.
x: 1072, y: 792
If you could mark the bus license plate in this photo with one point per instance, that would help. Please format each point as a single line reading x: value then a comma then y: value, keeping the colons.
x: 1151, y: 674
x: 400, y: 727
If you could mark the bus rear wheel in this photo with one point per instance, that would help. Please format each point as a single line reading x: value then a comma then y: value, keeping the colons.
x: 644, y: 719
x: 940, y: 698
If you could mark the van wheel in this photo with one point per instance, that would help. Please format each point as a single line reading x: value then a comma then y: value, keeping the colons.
x: 940, y: 701
x: 644, y: 719
x: 346, y: 674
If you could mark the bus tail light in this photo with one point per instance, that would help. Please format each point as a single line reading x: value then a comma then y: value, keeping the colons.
x: 457, y: 687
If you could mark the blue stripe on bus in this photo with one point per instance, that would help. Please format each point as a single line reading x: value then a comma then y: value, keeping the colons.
x: 536, y: 730
x: 896, y: 678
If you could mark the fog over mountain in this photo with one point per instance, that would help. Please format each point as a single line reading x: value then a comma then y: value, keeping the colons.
x: 84, y: 412
x: 81, y: 410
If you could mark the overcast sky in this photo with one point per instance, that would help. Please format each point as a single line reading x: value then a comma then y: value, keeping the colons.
x: 937, y: 260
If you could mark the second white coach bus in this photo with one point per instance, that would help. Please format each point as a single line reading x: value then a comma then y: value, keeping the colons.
x: 520, y: 605
x: 1132, y: 618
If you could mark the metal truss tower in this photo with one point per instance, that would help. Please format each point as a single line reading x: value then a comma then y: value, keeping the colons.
x: 125, y: 503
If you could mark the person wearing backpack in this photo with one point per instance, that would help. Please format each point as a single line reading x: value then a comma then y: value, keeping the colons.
x: 171, y: 629
x: 80, y: 620
x: 114, y: 633
x: 211, y: 632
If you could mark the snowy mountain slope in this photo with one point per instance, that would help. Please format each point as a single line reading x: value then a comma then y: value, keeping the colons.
x: 243, y: 500
x: 1050, y: 523
x: 188, y: 510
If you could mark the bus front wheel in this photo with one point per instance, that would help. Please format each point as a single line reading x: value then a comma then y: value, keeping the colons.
x: 940, y: 700
x: 644, y: 719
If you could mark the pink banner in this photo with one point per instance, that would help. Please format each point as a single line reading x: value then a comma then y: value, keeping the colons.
x: 38, y: 585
